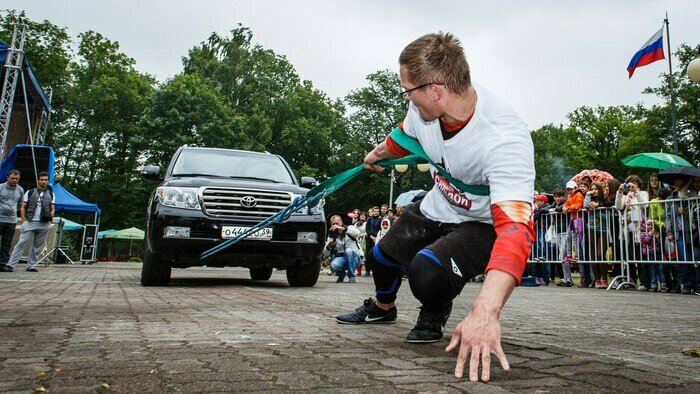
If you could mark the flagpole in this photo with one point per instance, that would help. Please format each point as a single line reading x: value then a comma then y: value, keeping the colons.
x: 670, y: 83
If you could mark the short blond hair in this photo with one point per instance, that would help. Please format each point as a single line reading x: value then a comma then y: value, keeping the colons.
x: 437, y: 58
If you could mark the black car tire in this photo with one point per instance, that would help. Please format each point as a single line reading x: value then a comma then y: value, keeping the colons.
x: 304, y: 275
x: 262, y: 273
x: 154, y: 271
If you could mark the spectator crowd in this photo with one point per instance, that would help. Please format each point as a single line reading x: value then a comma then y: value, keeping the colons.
x: 647, y: 237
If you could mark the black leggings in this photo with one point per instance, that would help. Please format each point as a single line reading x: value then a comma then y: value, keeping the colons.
x: 440, y: 257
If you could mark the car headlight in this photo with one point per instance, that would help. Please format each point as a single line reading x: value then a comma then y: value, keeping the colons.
x: 317, y: 210
x: 178, y: 197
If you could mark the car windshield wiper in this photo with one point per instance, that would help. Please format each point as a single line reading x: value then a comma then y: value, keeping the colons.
x: 198, y: 174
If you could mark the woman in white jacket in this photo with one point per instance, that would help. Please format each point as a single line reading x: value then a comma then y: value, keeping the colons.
x: 630, y: 193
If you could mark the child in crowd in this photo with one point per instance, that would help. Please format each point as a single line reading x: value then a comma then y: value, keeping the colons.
x: 573, y: 203
x: 597, y: 233
x: 360, y: 224
x: 585, y: 269
x: 561, y: 224
x: 391, y: 215
x: 385, y: 226
x: 650, y: 240
x: 540, y: 207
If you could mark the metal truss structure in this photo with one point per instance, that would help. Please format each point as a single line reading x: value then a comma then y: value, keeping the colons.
x: 13, y: 70
x: 13, y: 74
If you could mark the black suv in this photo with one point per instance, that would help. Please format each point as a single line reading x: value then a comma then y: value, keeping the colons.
x: 209, y: 195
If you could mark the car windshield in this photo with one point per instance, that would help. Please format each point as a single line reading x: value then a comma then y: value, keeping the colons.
x: 231, y: 164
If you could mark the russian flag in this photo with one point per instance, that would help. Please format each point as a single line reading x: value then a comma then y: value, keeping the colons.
x: 650, y: 52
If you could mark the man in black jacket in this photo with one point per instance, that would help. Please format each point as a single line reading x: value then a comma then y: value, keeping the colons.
x: 37, y: 213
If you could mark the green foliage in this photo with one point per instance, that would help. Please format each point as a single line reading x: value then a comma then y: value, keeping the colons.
x: 186, y: 110
x: 687, y: 107
x: 134, y: 259
x: 594, y: 139
x: 375, y: 110
x: 103, y: 103
x: 272, y: 109
x: 48, y: 46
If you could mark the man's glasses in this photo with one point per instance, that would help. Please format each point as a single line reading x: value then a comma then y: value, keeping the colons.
x: 407, y: 92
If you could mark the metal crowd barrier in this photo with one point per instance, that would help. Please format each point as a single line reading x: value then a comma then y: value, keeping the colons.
x: 654, y: 234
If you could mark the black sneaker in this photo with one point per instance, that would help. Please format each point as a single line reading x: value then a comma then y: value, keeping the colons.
x: 430, y: 326
x: 32, y: 269
x: 6, y: 268
x: 368, y: 313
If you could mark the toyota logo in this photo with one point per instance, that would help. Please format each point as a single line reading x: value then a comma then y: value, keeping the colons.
x: 249, y: 202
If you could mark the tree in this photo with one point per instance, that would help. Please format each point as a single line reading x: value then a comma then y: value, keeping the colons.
x: 687, y: 105
x: 378, y: 108
x: 104, y: 101
x: 272, y: 109
x: 186, y: 110
x: 551, y: 154
x: 47, y: 46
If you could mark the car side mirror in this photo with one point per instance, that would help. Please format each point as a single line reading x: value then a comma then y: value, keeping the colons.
x: 150, y: 173
x: 308, y: 182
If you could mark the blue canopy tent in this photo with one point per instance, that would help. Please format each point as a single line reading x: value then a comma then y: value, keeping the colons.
x: 68, y: 203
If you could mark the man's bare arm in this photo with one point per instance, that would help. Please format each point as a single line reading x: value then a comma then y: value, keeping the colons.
x: 23, y: 212
x: 378, y: 153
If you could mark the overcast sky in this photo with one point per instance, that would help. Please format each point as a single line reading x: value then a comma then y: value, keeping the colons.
x: 545, y: 58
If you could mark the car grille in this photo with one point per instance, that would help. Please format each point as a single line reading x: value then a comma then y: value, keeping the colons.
x: 226, y: 202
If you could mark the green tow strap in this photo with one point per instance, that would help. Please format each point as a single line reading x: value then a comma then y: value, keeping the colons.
x: 328, y: 187
x: 419, y: 157
x: 334, y: 183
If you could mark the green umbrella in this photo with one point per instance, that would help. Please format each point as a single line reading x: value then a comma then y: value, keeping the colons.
x: 656, y: 160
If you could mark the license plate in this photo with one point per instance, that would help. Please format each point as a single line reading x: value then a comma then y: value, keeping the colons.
x: 263, y: 234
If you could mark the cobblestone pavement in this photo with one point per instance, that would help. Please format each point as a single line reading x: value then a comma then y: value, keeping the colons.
x: 95, y: 329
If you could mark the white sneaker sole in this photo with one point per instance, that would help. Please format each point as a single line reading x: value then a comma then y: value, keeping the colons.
x: 365, y: 322
x: 423, y: 340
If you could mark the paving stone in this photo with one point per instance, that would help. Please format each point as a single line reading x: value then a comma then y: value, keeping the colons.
x: 215, y: 330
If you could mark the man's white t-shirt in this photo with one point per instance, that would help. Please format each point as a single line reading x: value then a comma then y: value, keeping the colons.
x: 493, y: 149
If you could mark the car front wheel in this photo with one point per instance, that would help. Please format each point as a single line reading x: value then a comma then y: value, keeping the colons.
x: 263, y: 273
x: 155, y: 271
x: 304, y: 275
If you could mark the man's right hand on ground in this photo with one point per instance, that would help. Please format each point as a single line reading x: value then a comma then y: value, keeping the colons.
x: 479, y: 334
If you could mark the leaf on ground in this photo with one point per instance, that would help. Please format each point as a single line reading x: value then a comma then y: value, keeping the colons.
x: 104, y: 386
x: 40, y: 389
x: 40, y: 374
x: 693, y: 352
x: 57, y: 369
